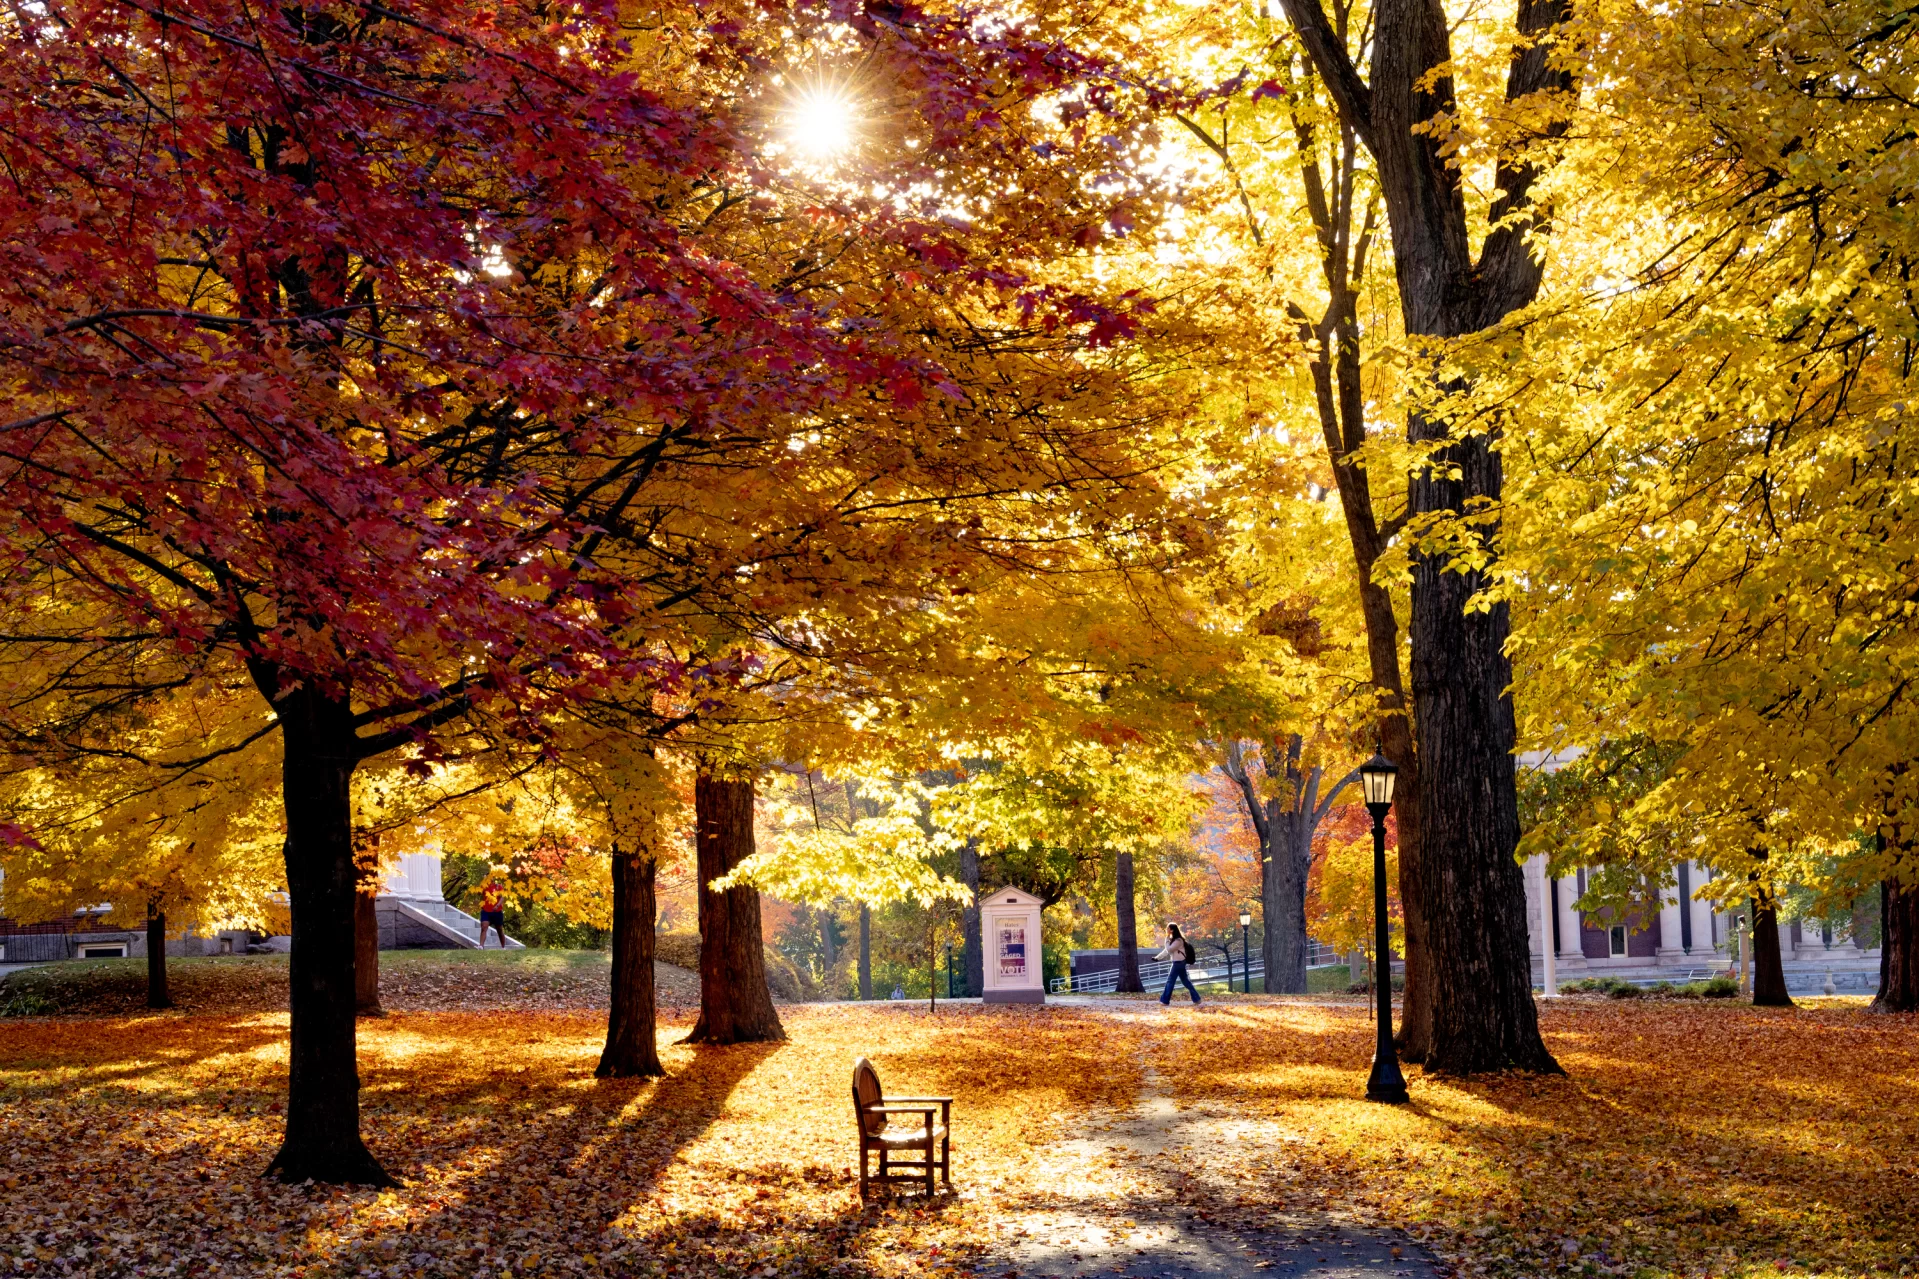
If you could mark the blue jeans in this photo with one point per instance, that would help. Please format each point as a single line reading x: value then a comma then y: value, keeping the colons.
x: 1178, y: 975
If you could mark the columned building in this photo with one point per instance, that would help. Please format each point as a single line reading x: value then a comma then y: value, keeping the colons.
x: 1684, y: 940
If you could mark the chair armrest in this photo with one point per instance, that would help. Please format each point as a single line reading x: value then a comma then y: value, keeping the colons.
x: 945, y: 1099
x: 884, y: 1108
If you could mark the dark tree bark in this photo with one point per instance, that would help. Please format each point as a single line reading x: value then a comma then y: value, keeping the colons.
x: 366, y: 948
x: 632, y: 1050
x: 1768, y: 968
x: 866, y: 951
x: 1468, y: 888
x: 323, y: 1086
x: 157, y: 995
x: 972, y: 948
x: 1898, y: 949
x: 1128, y: 925
x: 735, y: 1005
x: 1283, y: 903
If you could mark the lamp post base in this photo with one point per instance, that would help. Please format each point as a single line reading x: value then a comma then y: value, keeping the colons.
x: 1386, y: 1084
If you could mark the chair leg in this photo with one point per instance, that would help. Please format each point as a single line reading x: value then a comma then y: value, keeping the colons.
x: 946, y: 1161
x: 863, y: 1171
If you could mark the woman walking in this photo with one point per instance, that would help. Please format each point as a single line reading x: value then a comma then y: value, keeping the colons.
x: 1181, y: 952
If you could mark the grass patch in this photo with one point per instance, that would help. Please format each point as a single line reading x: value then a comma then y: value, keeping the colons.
x: 1331, y: 980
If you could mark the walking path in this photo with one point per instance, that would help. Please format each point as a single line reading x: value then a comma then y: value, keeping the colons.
x: 1138, y: 1199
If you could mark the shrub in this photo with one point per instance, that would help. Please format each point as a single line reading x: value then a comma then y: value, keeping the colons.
x: 682, y: 950
x: 1720, y: 988
x: 1625, y: 990
x: 1593, y: 986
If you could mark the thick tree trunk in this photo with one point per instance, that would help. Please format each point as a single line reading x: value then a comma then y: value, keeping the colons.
x: 366, y: 948
x: 323, y: 1087
x: 974, y: 948
x: 1128, y: 925
x: 1288, y: 860
x: 157, y: 994
x: 1898, y: 949
x: 1467, y: 887
x: 735, y: 1005
x: 866, y: 951
x: 1768, y: 968
x: 631, y: 1049
x: 1483, y: 1016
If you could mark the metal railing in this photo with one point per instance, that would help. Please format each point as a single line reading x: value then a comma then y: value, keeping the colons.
x: 1151, y: 976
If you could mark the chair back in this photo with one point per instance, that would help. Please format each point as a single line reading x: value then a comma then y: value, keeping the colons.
x: 866, y: 1092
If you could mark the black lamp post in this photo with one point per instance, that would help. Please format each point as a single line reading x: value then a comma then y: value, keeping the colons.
x: 1376, y: 777
x: 1245, y: 953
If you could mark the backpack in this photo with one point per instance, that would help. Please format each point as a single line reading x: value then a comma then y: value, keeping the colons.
x: 1186, y: 952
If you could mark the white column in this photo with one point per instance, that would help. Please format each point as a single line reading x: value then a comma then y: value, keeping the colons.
x: 423, y: 877
x: 1571, y: 953
x: 1812, y: 943
x: 1542, y: 914
x: 1703, y: 949
x: 1671, y: 953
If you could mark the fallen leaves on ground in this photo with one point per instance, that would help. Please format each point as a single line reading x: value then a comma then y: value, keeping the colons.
x: 1687, y: 1140
x: 138, y: 1144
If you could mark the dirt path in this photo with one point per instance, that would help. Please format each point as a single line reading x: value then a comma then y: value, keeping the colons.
x: 1140, y: 1198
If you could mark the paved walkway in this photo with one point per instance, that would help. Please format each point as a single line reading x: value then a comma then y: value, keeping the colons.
x: 1121, y: 1211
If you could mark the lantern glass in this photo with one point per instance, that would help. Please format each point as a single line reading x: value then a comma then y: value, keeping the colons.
x: 1376, y: 777
x: 1245, y: 918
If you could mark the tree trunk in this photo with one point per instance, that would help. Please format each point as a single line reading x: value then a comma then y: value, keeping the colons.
x: 866, y: 951
x: 631, y: 1049
x: 323, y: 1086
x: 157, y: 995
x: 1467, y: 887
x: 1483, y: 1015
x: 829, y: 947
x: 735, y: 1005
x: 366, y: 948
x: 1768, y: 969
x: 1283, y: 899
x: 1898, y: 949
x: 973, y: 947
x: 1129, y: 982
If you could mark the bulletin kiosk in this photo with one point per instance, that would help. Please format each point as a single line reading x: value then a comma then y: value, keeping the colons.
x: 1009, y: 927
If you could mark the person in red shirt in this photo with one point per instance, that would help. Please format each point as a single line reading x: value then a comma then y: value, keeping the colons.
x: 493, y: 908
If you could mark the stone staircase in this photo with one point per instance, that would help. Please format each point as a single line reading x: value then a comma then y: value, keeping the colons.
x: 418, y: 923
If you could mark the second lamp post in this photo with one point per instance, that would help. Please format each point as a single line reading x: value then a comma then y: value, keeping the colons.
x: 1376, y: 777
x: 1245, y: 953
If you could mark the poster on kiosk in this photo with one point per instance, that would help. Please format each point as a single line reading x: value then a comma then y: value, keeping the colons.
x: 1009, y: 925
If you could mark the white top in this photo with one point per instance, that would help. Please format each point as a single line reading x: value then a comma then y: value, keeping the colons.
x: 1183, y: 944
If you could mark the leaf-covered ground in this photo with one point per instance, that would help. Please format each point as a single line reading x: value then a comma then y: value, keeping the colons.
x: 1688, y: 1140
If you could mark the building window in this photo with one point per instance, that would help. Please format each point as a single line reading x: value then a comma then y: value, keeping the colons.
x: 1616, y: 941
x: 118, y: 950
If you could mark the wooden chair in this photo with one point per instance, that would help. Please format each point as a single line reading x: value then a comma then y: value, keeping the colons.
x: 874, y: 1111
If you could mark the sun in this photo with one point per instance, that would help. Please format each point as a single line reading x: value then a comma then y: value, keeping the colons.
x: 821, y: 123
